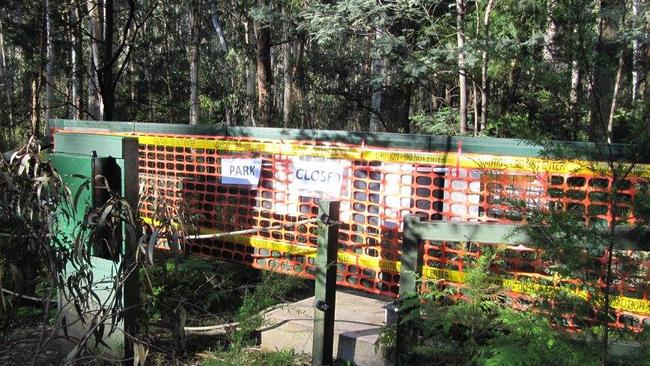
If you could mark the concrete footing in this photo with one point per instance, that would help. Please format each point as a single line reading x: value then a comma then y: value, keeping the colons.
x: 358, y: 323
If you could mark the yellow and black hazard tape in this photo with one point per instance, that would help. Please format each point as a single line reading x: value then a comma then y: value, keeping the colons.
x: 451, y: 159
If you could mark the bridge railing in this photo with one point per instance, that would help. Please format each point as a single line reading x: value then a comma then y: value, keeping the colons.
x: 385, y: 178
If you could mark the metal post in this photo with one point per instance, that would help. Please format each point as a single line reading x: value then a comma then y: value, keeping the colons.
x: 411, y: 259
x: 410, y: 269
x: 325, y: 291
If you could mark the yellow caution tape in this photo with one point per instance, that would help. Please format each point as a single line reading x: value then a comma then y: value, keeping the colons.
x: 631, y: 304
x: 624, y: 303
x: 442, y: 274
x: 618, y: 302
x: 451, y: 159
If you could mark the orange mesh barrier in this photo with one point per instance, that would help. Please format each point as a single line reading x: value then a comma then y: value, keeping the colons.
x: 380, y: 186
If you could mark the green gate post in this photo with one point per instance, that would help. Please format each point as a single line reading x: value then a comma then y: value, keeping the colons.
x: 410, y: 269
x: 78, y: 157
x: 325, y: 291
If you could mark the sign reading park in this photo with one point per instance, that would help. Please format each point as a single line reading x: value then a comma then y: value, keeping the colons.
x: 243, y: 172
x: 318, y: 177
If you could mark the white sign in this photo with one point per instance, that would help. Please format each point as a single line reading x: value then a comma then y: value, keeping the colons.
x: 318, y: 177
x: 242, y: 172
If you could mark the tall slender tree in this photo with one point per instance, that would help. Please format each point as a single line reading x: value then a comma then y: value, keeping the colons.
x: 194, y: 62
x: 462, y: 72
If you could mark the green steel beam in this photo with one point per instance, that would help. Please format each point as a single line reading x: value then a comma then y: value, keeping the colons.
x: 103, y: 145
x: 627, y: 237
x: 474, y: 145
x: 140, y: 127
x: 469, y: 231
x: 412, y: 258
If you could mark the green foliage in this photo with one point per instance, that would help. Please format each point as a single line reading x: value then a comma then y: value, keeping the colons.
x: 272, y: 289
x: 482, y: 329
x: 442, y: 122
x: 208, y: 291
x: 237, y: 357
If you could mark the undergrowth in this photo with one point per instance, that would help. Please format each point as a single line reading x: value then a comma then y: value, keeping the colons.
x: 190, y: 291
x: 475, y: 325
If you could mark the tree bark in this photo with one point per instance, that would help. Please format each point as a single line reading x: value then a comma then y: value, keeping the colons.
x: 49, y: 55
x: 36, y: 86
x: 216, y: 23
x: 95, y: 100
x: 636, y: 51
x: 475, y: 108
x: 250, y: 76
x: 612, y: 110
x: 264, y: 75
x: 575, y: 95
x: 194, y: 62
x: 6, y: 78
x: 376, y: 83
x: 462, y: 79
x: 300, y: 83
x: 550, y: 35
x: 106, y: 81
x: 35, y: 118
x: 167, y: 66
x: 76, y: 61
x: 602, y: 77
x: 485, y: 86
x: 287, y: 102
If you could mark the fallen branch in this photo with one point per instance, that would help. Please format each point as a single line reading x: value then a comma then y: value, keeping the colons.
x: 32, y: 298
x: 221, y: 329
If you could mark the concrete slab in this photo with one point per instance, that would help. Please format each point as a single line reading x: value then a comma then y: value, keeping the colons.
x: 358, y: 323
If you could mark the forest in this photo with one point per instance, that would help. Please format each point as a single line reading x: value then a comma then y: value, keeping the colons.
x: 567, y: 70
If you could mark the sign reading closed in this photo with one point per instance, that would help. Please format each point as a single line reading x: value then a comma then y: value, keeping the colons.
x: 243, y: 172
x: 316, y: 177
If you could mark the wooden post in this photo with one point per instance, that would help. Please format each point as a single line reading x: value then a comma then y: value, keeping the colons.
x: 325, y: 291
x: 410, y: 269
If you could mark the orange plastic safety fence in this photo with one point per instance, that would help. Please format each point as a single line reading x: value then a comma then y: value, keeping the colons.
x: 375, y: 196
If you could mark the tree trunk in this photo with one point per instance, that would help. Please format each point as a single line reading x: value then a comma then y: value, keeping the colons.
x: 194, y: 62
x: 603, y: 74
x: 462, y: 79
x: 576, y: 95
x: 612, y: 110
x: 485, y: 86
x: 35, y: 118
x: 216, y: 23
x: 447, y: 95
x: 300, y: 83
x: 376, y: 84
x: 264, y: 76
x: 7, y: 80
x: 548, y: 51
x: 575, y: 98
x: 95, y: 100
x: 50, y: 59
x: 250, y: 76
x: 106, y: 82
x: 475, y: 108
x: 636, y: 51
x: 168, y: 73
x: 287, y: 105
x: 76, y: 61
